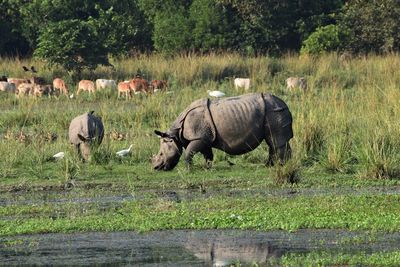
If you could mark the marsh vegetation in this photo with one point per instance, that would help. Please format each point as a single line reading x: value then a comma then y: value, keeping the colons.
x: 346, y: 137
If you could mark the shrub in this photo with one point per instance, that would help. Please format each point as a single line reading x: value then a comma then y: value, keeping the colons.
x: 324, y: 39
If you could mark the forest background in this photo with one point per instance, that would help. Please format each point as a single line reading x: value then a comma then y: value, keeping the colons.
x: 79, y: 34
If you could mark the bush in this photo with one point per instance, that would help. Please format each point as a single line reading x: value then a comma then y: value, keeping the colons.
x: 324, y: 39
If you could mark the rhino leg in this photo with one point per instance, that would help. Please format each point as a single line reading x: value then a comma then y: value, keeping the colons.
x: 209, y: 156
x: 198, y: 146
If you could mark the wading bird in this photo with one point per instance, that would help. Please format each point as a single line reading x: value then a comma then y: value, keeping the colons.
x: 58, y: 156
x: 124, y: 152
x: 216, y: 93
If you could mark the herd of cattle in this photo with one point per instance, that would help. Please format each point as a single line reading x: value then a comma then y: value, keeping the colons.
x: 37, y: 86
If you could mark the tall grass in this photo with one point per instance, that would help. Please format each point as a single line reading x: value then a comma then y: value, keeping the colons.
x: 348, y: 121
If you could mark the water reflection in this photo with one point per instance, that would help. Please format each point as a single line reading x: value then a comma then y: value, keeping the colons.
x: 184, y: 248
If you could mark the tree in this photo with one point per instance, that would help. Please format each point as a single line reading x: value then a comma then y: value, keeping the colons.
x: 172, y: 32
x: 85, y: 36
x: 214, y: 26
x: 11, y: 42
x: 73, y: 44
x: 279, y: 25
x: 313, y: 14
x: 171, y: 25
x: 373, y: 26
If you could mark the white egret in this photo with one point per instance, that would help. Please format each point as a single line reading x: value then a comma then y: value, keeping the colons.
x: 216, y: 93
x: 58, y: 156
x: 124, y: 152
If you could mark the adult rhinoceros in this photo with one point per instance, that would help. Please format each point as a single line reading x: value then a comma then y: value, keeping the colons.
x: 85, y: 131
x: 235, y: 125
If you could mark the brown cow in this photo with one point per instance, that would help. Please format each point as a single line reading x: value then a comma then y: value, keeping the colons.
x: 139, y: 85
x: 39, y: 90
x: 86, y: 85
x: 124, y: 88
x: 24, y: 89
x: 59, y: 84
x: 159, y: 85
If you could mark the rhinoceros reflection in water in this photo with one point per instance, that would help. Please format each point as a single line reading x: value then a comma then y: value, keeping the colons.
x: 224, y: 251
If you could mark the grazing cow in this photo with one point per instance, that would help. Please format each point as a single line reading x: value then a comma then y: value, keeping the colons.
x: 39, y: 90
x: 139, y: 85
x: 37, y: 80
x: 124, y: 88
x: 242, y: 83
x: 102, y: 84
x: 345, y: 57
x: 59, y: 84
x: 24, y: 89
x: 18, y: 81
x: 85, y: 85
x: 157, y: 85
x: 7, y: 87
x: 296, y: 82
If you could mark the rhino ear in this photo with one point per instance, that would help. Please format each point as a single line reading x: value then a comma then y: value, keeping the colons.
x: 82, y: 138
x: 161, y: 134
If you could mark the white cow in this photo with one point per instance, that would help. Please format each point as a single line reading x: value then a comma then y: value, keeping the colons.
x: 7, y: 87
x: 296, y: 82
x: 18, y: 81
x: 103, y: 83
x: 242, y: 83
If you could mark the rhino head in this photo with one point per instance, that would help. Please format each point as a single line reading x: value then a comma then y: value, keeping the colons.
x: 85, y: 146
x: 169, y: 154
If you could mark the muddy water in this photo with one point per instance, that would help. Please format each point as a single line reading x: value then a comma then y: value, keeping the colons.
x: 184, y: 248
x: 105, y: 198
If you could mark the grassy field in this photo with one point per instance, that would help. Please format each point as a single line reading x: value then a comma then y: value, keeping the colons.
x: 346, y: 135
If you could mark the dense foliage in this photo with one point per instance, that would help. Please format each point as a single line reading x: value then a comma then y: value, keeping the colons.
x: 324, y: 39
x: 86, y: 32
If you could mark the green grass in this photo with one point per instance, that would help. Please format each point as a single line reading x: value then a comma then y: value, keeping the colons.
x: 224, y: 212
x: 374, y: 213
x: 346, y: 135
x: 340, y: 259
x: 347, y: 122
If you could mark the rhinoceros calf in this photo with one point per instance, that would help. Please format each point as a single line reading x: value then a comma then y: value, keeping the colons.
x: 235, y: 125
x: 85, y: 131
